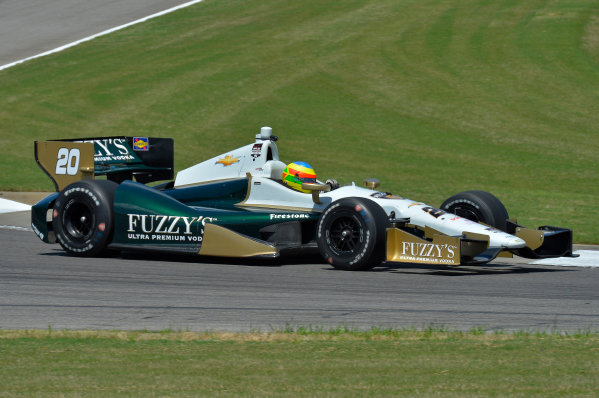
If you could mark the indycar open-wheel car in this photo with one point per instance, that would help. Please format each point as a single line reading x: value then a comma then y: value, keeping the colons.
x: 248, y: 203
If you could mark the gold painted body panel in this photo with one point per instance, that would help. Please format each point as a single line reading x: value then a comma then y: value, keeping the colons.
x: 404, y: 247
x: 222, y: 242
x: 65, y: 162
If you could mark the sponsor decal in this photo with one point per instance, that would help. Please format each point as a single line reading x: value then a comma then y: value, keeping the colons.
x: 82, y: 190
x: 256, y: 150
x: 434, y: 212
x: 428, y: 252
x: 111, y: 150
x: 141, y: 144
x: 385, y: 195
x: 227, y: 160
x: 461, y: 200
x: 37, y: 231
x: 84, y: 249
x: 152, y: 227
x: 295, y: 216
x: 364, y: 241
x: 462, y: 219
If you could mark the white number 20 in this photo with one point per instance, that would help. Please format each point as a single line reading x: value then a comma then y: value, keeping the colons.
x: 68, y: 161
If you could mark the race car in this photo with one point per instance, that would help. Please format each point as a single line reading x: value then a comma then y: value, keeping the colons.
x: 248, y: 203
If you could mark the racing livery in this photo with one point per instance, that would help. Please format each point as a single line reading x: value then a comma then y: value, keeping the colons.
x: 248, y: 203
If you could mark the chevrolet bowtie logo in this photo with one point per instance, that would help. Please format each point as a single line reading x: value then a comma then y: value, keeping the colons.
x: 228, y: 161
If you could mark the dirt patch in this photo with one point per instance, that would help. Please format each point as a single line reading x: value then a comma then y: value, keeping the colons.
x: 590, y: 40
x: 29, y: 198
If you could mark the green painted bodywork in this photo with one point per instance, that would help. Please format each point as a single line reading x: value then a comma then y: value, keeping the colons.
x: 38, y: 217
x: 174, y: 219
x: 220, y: 194
x: 115, y: 156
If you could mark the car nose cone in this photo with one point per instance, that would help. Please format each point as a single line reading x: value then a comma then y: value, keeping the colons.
x: 515, y: 243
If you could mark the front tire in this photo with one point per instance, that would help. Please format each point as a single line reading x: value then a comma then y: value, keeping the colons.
x: 478, y: 206
x: 351, y: 234
x: 82, y: 217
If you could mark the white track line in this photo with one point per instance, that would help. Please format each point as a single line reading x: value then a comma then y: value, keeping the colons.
x: 10, y: 206
x: 587, y: 258
x: 15, y: 228
x: 61, y: 48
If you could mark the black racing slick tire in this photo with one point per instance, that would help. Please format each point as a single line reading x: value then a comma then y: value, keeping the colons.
x: 83, y: 217
x: 351, y: 234
x: 478, y: 206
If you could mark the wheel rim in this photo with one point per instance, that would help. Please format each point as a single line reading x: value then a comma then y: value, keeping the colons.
x: 79, y: 221
x: 345, y: 234
x: 470, y: 214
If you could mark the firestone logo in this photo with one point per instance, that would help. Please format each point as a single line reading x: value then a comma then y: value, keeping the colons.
x: 288, y: 216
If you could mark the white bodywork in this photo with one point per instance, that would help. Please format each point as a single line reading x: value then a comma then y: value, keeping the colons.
x: 261, y: 161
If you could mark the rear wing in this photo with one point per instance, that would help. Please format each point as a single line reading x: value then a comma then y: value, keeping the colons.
x: 144, y: 159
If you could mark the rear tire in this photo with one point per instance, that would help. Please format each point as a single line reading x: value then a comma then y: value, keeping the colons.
x: 351, y: 234
x: 478, y: 206
x: 82, y: 217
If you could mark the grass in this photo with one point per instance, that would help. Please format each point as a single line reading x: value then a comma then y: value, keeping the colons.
x: 321, y: 363
x: 431, y: 97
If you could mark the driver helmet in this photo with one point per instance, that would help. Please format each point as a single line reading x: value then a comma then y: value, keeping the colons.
x: 297, y: 173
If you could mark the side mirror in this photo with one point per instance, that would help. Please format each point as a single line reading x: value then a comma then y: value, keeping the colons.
x: 316, y: 189
x: 372, y: 183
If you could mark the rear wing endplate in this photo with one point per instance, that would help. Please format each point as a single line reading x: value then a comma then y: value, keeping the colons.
x: 144, y: 159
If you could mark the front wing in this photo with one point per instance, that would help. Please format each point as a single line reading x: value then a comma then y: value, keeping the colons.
x: 411, y: 244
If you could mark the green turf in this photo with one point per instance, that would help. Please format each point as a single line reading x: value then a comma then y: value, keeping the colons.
x: 431, y: 97
x: 327, y: 364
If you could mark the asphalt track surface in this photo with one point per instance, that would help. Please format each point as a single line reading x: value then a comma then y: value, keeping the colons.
x: 31, y: 27
x: 41, y: 287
